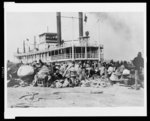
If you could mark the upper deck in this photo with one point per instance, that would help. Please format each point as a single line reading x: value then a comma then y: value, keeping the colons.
x: 66, y: 44
x: 70, y: 50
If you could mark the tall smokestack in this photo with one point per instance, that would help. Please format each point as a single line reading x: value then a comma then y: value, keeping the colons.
x: 80, y: 24
x: 59, y: 28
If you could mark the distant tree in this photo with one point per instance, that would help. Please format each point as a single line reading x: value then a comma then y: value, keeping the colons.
x: 125, y: 64
x: 121, y: 63
x: 111, y: 61
x: 117, y: 64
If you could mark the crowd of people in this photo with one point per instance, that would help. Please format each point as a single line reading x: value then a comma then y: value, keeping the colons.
x: 77, y: 73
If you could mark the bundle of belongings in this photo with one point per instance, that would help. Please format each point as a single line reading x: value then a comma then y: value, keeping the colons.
x: 115, y: 76
x: 12, y: 69
x: 25, y: 70
x: 26, y: 74
x: 20, y: 75
x: 126, y: 76
x: 102, y: 82
x: 42, y: 77
x: 14, y: 83
x: 86, y: 83
x: 61, y: 83
x: 121, y: 75
x: 69, y: 75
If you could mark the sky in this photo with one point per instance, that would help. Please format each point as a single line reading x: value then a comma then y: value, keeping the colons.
x: 121, y: 33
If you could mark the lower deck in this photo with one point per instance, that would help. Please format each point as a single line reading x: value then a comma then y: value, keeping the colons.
x: 64, y: 54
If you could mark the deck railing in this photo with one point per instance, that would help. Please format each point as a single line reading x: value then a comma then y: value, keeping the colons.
x: 61, y: 56
x: 79, y: 55
x: 76, y: 56
x: 92, y: 55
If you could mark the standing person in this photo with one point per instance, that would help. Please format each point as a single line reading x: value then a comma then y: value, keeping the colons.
x: 70, y: 74
x: 73, y: 74
x: 87, y: 68
x: 92, y: 72
x: 102, y: 70
x: 138, y: 62
x: 109, y: 72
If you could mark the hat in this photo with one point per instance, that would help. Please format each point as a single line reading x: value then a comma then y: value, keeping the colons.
x: 139, y: 54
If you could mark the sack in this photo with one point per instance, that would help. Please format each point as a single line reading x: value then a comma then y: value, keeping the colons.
x: 58, y: 85
x: 113, y: 77
x: 41, y: 76
x: 25, y: 70
x: 110, y: 70
x: 44, y: 70
x: 66, y: 83
x: 126, y: 72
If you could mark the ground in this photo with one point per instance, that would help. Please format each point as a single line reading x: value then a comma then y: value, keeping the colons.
x: 114, y: 96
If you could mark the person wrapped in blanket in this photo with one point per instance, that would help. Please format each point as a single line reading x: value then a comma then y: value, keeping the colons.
x: 138, y: 63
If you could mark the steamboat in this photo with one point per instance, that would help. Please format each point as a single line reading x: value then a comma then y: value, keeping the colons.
x: 52, y: 48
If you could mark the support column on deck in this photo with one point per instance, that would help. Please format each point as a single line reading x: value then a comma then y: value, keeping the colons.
x: 33, y: 57
x: 47, y: 56
x: 86, y: 51
x: 37, y: 57
x: 99, y: 53
x: 26, y: 59
x: 75, y: 53
x: 65, y: 53
x: 72, y: 52
x: 44, y: 57
x: 30, y: 58
x: 40, y: 56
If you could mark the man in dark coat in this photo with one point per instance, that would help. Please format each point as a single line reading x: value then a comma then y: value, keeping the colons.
x: 138, y: 63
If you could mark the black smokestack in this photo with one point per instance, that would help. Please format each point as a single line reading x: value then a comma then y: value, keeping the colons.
x: 59, y: 28
x: 80, y: 24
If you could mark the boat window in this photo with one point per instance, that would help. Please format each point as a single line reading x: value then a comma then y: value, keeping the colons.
x: 52, y: 52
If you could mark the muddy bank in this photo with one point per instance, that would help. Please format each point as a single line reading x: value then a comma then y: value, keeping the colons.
x: 74, y: 97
